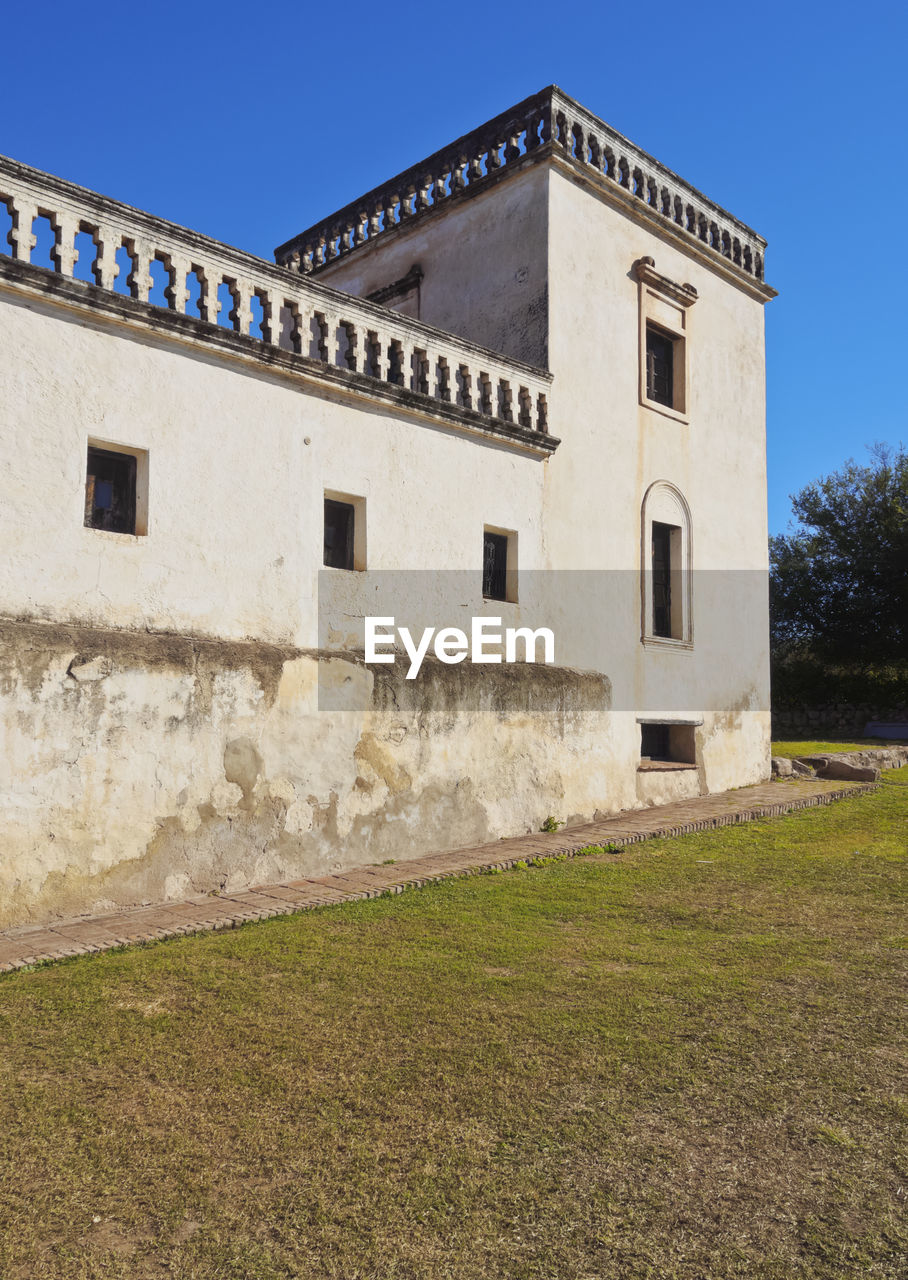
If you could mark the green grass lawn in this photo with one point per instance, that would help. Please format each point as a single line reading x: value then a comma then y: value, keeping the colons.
x: 792, y: 749
x: 687, y: 1060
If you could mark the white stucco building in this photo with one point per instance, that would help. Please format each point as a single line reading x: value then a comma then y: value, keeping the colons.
x: 524, y: 379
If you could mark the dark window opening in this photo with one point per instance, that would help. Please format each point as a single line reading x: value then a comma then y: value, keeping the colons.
x: 660, y: 367
x: 338, y: 534
x: 662, y: 579
x: 668, y: 744
x: 495, y: 566
x: 110, y: 491
x: 654, y: 742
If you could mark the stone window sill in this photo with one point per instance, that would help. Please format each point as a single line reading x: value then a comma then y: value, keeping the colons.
x: 663, y: 766
x: 666, y: 410
x: 665, y: 642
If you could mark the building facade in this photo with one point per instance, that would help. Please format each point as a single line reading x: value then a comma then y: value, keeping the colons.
x: 523, y: 380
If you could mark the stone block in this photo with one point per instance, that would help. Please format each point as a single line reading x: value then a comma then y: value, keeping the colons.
x: 841, y: 769
x: 803, y: 769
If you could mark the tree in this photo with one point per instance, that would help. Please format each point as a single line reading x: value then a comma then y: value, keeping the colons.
x: 839, y: 582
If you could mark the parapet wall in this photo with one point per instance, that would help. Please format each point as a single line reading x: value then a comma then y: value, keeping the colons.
x: 215, y: 294
x: 549, y: 124
x: 141, y: 767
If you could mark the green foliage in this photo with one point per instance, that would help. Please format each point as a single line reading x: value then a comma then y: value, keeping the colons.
x: 838, y: 583
x: 551, y: 824
x: 806, y: 679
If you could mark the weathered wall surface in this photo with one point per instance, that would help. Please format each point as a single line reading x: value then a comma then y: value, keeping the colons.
x: 139, y: 767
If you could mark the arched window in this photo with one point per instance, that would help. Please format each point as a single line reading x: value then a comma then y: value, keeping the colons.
x: 666, y: 558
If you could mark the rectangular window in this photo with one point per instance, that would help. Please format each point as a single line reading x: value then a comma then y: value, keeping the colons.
x: 660, y: 367
x: 662, y: 579
x: 668, y: 744
x: 339, y: 534
x: 494, y: 565
x: 110, y: 491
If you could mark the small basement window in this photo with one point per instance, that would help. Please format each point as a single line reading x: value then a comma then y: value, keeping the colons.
x: 660, y: 366
x: 112, y: 498
x: 340, y: 518
x: 671, y: 745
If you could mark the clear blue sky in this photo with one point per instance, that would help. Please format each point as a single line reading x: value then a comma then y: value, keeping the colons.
x: 250, y: 121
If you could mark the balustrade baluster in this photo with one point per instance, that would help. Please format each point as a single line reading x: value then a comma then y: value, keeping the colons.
x: 458, y: 173
x: 419, y: 371
x: 176, y: 292
x: 440, y: 183
x: 209, y: 303
x: 525, y: 408
x: 271, y: 302
x: 64, y: 252
x: 241, y: 315
x: 107, y: 241
x: 505, y: 401
x: 352, y: 353
x: 465, y: 387
x: 547, y: 131
x: 578, y: 143
x: 140, y: 280
x: 295, y: 326
x: 23, y: 214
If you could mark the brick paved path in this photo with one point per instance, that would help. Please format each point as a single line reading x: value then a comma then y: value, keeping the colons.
x: 29, y: 944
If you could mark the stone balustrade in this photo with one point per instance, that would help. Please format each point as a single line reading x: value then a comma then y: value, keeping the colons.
x: 546, y: 124
x: 182, y: 272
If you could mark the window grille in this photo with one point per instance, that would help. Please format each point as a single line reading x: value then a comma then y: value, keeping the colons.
x: 494, y: 566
